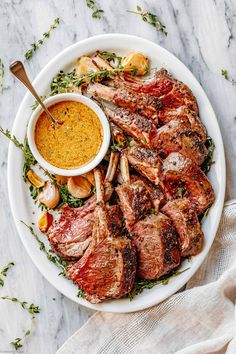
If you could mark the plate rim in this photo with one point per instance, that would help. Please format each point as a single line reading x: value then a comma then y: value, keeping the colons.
x: 184, y: 277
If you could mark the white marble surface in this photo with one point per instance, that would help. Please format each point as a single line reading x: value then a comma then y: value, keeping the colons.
x: 201, y: 33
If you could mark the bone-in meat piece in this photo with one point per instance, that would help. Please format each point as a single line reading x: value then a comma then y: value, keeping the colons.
x: 154, y: 235
x: 182, y: 177
x: 107, y: 269
x: 178, y: 136
x: 145, y: 161
x: 173, y: 94
x: 136, y: 102
x: 71, y: 235
x: 187, y: 225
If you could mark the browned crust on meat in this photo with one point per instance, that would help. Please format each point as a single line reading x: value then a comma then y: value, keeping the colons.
x: 187, y: 225
x: 180, y: 173
x: 157, y: 244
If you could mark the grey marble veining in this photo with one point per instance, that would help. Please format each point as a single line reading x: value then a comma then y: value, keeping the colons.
x: 201, y: 33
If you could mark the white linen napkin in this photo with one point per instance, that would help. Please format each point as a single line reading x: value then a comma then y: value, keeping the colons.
x: 199, y: 320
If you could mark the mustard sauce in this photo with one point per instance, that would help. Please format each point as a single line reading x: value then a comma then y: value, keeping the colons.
x: 73, y: 143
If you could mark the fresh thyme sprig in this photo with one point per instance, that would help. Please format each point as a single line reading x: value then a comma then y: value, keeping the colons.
x: 67, y: 198
x: 4, y: 272
x: 35, y: 105
x: 141, y: 284
x: 35, y: 46
x: 29, y: 159
x: 32, y: 310
x: 96, y: 12
x: 150, y: 18
x: 81, y: 294
x: 225, y: 74
x: 206, y: 165
x: 67, y: 81
x: 53, y: 258
x: 1, y: 75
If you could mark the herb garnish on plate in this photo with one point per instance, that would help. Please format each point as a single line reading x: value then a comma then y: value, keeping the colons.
x: 206, y: 165
x: 141, y: 284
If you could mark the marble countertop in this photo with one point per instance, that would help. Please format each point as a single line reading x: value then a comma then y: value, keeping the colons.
x: 200, y: 33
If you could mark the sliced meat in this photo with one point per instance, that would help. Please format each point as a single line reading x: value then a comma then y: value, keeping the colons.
x: 144, y: 104
x: 145, y: 161
x: 71, y: 234
x: 178, y: 136
x: 108, y: 268
x: 187, y: 225
x: 153, y: 234
x: 140, y: 128
x: 135, y: 201
x: 173, y: 94
x: 181, y: 176
x: 157, y: 196
x: 158, y: 248
x: 185, y: 114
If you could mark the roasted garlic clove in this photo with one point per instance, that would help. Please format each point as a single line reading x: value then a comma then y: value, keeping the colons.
x: 90, y: 177
x: 84, y: 66
x: 79, y: 187
x: 61, y: 179
x: 34, y: 179
x: 45, y: 221
x: 136, y: 62
x: 49, y: 196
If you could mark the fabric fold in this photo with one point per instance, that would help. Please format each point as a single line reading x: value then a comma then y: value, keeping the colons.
x: 199, y: 320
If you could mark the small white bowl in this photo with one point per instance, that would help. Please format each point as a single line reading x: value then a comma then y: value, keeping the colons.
x: 106, y: 134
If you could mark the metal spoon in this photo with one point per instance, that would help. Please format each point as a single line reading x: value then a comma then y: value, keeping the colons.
x: 17, y: 69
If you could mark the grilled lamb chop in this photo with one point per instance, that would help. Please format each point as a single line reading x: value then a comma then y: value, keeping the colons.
x: 175, y: 136
x: 154, y: 235
x: 173, y: 94
x: 185, y: 114
x: 181, y: 176
x: 146, y: 105
x: 187, y: 225
x: 156, y: 193
x: 140, y: 128
x: 145, y: 161
x: 107, y: 269
x: 71, y: 235
x: 178, y: 136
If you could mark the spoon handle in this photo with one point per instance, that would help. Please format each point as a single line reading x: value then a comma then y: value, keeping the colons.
x: 17, y: 69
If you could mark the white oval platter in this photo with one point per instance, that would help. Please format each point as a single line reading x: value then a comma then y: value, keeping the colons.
x: 24, y: 209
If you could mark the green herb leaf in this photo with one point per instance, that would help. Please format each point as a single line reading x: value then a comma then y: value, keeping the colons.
x: 81, y: 294
x: 67, y: 198
x: 32, y: 310
x: 150, y: 18
x: 53, y: 258
x: 141, y: 284
x: 224, y: 73
x: 206, y: 165
x: 96, y: 12
x: 35, y: 46
x: 4, y: 272
x: 35, y: 105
